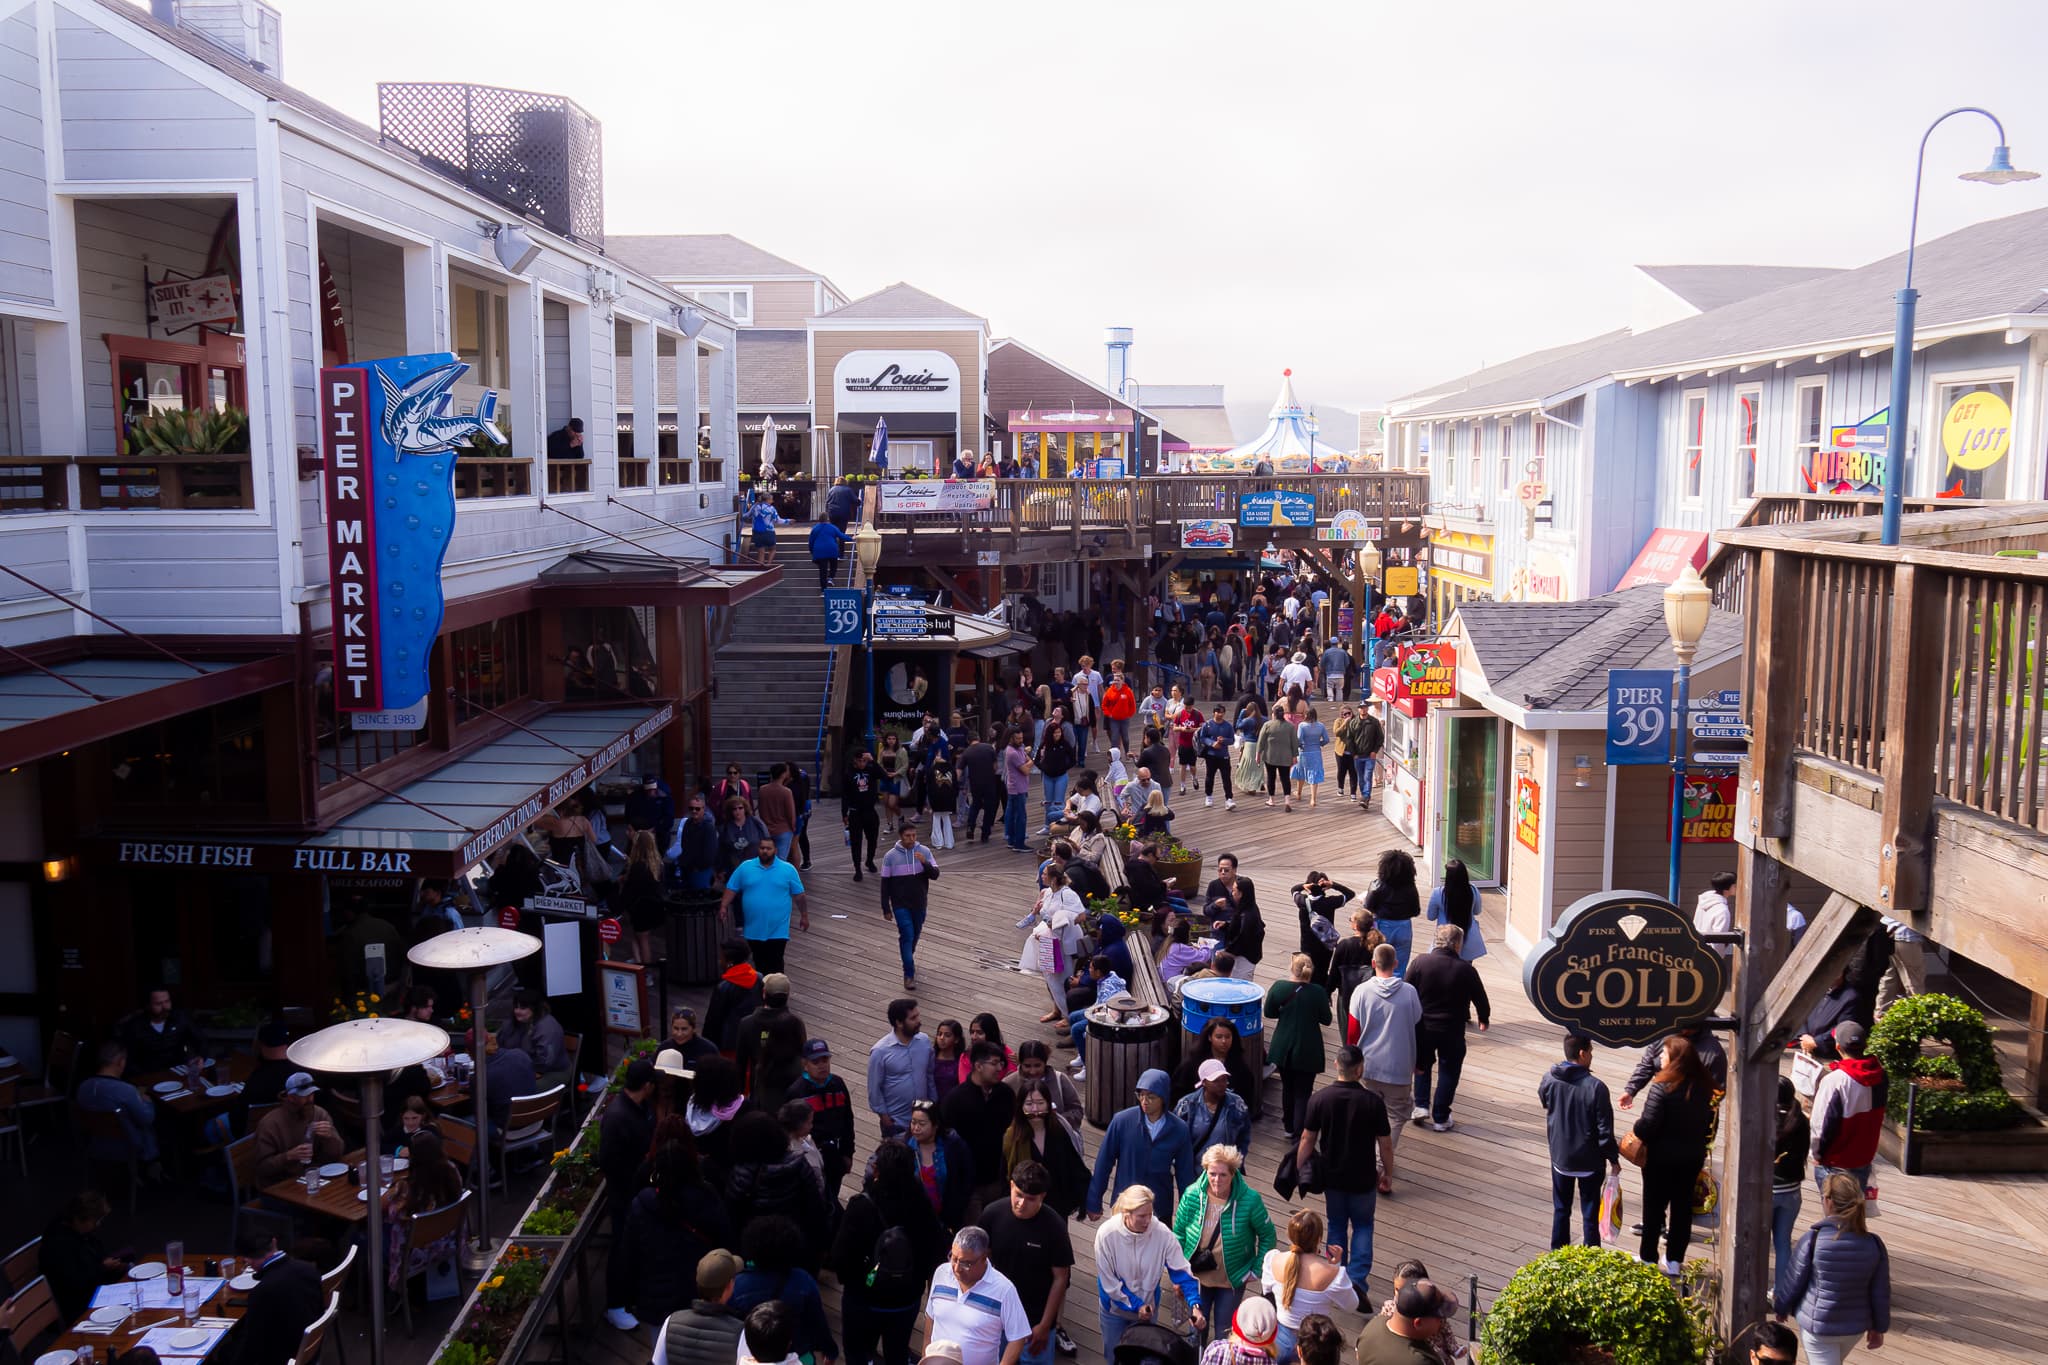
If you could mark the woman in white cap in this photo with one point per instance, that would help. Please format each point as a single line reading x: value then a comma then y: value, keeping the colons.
x: 1135, y: 1255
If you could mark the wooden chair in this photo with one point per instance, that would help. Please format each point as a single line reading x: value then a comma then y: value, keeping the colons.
x: 316, y: 1333
x: 20, y: 1266
x: 423, y: 1230
x: 10, y: 1118
x: 528, y: 1125
x: 106, y: 1126
x: 335, y: 1282
x: 243, y: 1184
x: 28, y: 1315
x: 458, y: 1139
x: 57, y: 1074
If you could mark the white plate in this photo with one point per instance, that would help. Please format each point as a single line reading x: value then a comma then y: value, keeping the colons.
x: 186, y: 1340
x: 364, y: 1195
x: 148, y: 1270
x: 104, y: 1317
x: 57, y: 1358
x: 206, y: 1063
x: 243, y: 1282
x: 219, y: 1091
x: 166, y: 1087
x: 334, y: 1170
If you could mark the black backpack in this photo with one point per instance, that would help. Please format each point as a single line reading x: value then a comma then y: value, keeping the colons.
x: 893, y: 1278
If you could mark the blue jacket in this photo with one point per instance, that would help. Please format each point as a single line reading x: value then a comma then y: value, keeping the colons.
x: 1165, y: 1164
x: 1232, y: 1128
x: 1836, y: 1284
x: 827, y: 541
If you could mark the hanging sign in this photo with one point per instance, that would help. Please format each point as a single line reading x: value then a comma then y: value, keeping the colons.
x: 937, y: 495
x: 1428, y: 672
x: 187, y: 303
x: 1624, y: 968
x: 1853, y: 459
x: 1402, y: 580
x: 842, y: 616
x: 1279, y: 507
x: 1208, y: 534
x: 1348, y: 525
x: 389, y: 442
x: 1976, y: 431
x: 1528, y: 812
x: 1638, y: 716
x: 1707, y: 809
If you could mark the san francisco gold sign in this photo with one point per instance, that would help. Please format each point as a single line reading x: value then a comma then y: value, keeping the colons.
x: 1624, y: 968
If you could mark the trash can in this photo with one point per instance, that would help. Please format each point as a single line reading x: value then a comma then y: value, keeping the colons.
x: 1123, y: 1044
x: 1243, y: 1004
x: 692, y: 938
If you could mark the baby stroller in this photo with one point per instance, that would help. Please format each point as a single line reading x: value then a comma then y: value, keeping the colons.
x: 1148, y: 1343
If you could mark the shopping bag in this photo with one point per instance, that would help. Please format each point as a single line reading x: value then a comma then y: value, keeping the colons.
x: 1610, y: 1209
x: 1706, y: 1195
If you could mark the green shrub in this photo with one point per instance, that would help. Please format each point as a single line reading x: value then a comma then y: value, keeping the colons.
x: 1578, y: 1297
x: 1895, y: 1043
x: 550, y: 1222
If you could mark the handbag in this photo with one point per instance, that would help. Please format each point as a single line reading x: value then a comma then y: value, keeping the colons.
x: 1204, y: 1259
x: 1633, y: 1149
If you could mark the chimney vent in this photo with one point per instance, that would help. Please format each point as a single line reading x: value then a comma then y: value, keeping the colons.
x: 250, y: 29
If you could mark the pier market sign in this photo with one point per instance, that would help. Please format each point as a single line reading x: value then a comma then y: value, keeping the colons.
x: 1624, y: 968
x: 897, y: 381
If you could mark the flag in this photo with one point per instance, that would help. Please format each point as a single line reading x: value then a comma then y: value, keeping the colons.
x: 881, y: 451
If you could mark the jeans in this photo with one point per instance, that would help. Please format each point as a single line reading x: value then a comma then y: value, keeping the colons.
x: 1216, y: 765
x: 1400, y: 933
x: 1042, y: 1357
x: 782, y: 843
x: 826, y: 568
x: 1667, y: 1188
x: 1055, y: 796
x: 1119, y: 732
x: 1347, y: 773
x: 1016, y: 817
x: 1446, y: 1051
x: 1284, y: 1350
x: 1077, y: 1029
x: 909, y: 924
x: 1219, y: 1306
x: 1364, y: 764
x: 697, y: 879
x: 1784, y: 1213
x: 942, y: 829
x: 1819, y: 1350
x: 1561, y: 1186
x: 1351, y: 1214
x: 862, y: 1324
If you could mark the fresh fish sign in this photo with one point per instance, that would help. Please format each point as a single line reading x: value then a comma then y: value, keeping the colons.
x: 389, y: 438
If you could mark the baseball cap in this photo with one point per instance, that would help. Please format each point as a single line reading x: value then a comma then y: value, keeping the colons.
x: 1211, y: 1070
x: 1423, y: 1299
x: 942, y: 1353
x: 299, y: 1083
x: 1849, y: 1036
x: 775, y: 986
x: 716, y: 1270
x: 639, y: 1072
x: 1256, y: 1323
x: 1155, y: 1082
x: 273, y: 1034
x: 650, y: 781
x: 669, y: 1062
x: 817, y: 1050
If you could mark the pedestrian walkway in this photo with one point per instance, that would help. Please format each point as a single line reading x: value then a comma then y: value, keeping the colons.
x: 1968, y: 1274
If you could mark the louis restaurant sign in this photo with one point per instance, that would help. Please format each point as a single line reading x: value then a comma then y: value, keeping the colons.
x: 1624, y: 968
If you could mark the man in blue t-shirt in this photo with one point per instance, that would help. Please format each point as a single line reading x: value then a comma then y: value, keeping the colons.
x: 765, y: 520
x: 769, y: 892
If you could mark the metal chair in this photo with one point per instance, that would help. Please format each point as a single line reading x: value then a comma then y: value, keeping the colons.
x: 316, y: 1333
x: 57, y: 1074
x: 423, y: 1230
x: 10, y: 1118
x: 528, y: 1125
x: 20, y: 1266
x: 243, y: 1183
x: 257, y: 1111
x: 335, y: 1282
x: 108, y: 1126
x: 458, y: 1139
x: 30, y: 1313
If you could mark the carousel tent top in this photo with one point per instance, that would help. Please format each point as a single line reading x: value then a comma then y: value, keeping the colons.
x: 1287, y: 444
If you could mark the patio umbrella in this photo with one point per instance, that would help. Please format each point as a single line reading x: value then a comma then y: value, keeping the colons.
x: 767, y: 446
x: 880, y: 454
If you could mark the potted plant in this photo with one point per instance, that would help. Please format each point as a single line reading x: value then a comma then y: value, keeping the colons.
x: 494, y: 1323
x: 187, y: 431
x: 1180, y: 866
x: 1585, y: 1305
x: 1963, y: 1118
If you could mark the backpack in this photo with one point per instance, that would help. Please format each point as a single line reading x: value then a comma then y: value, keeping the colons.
x: 893, y: 1278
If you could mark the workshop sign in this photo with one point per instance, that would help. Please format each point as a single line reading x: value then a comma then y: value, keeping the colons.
x: 1624, y: 968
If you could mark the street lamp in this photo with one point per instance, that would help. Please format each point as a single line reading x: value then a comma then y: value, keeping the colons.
x: 867, y: 548
x: 1369, y: 559
x: 1688, y: 603
x: 370, y: 1050
x: 473, y: 952
x: 1999, y: 172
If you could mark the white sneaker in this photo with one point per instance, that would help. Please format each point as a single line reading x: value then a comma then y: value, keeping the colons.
x: 1672, y: 1268
x: 1208, y: 801
x: 1080, y: 1073
x: 1229, y: 805
x: 1421, y: 1113
x: 621, y: 1319
x: 1445, y: 1126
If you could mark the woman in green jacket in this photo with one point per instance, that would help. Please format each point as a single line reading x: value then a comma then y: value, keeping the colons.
x: 1296, y: 1052
x: 1225, y: 1232
x: 1279, y: 746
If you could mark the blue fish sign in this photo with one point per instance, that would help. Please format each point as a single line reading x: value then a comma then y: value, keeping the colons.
x: 389, y: 438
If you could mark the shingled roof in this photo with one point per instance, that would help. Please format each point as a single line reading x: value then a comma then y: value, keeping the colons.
x: 701, y: 255
x: 1554, y: 656
x: 901, y: 302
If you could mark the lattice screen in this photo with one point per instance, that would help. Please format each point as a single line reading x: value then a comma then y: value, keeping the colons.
x: 536, y: 154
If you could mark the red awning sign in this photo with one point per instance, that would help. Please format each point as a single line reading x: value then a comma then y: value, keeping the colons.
x: 1664, y: 557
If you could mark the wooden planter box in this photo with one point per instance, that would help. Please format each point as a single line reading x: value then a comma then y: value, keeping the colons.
x: 2017, y: 1149
x: 1184, y: 876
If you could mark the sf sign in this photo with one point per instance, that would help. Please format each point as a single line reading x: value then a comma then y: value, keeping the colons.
x: 1624, y: 968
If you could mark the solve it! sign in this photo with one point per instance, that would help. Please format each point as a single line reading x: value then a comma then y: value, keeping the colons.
x: 389, y: 440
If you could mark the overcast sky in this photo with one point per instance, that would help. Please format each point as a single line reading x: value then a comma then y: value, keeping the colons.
x: 1378, y: 195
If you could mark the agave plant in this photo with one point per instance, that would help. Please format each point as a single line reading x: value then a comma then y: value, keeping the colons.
x: 189, y: 431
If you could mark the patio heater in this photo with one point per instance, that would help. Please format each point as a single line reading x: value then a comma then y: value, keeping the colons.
x: 472, y: 953
x: 1688, y: 603
x: 370, y: 1049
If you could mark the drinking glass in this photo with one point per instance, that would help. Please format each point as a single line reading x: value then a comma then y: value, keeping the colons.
x: 384, y: 1168
x: 191, y: 1303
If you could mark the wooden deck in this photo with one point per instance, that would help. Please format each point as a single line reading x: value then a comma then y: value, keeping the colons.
x: 1968, y: 1255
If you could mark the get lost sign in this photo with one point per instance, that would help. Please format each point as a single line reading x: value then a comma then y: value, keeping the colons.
x: 1624, y: 968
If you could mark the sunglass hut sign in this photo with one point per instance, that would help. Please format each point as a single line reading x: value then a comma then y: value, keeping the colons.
x: 1624, y: 968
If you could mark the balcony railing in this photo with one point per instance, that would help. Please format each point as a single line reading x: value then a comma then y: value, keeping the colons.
x: 674, y: 473
x: 568, y: 476
x: 185, y: 482
x: 33, y: 483
x: 633, y: 472
x: 481, y: 476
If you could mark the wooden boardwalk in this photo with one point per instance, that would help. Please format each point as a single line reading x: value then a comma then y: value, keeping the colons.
x: 1969, y: 1282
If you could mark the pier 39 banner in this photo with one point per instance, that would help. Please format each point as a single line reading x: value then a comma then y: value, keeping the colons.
x: 389, y: 440
x: 1624, y: 968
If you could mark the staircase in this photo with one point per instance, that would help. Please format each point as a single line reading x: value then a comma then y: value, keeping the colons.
x: 772, y: 672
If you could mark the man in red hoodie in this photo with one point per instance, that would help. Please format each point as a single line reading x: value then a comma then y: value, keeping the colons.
x: 737, y: 994
x: 1119, y: 704
x: 1848, y: 1110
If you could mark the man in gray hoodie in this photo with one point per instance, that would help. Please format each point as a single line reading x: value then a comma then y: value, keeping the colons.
x: 1386, y: 1010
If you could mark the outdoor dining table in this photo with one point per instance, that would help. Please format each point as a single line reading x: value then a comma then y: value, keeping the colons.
x: 196, y: 1102
x: 336, y: 1198
x: 222, y: 1306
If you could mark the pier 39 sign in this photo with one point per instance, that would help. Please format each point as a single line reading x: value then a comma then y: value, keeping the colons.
x: 1624, y: 968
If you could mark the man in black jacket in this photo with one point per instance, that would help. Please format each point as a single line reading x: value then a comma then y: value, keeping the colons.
x: 159, y: 1037
x: 831, y: 1107
x: 981, y: 767
x: 1579, y: 1122
x: 707, y: 1332
x: 1451, y: 992
x: 282, y: 1306
x: 770, y: 1043
x: 1366, y: 742
x: 860, y: 792
x: 622, y: 1139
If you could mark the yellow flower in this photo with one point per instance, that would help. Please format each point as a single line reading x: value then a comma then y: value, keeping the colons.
x: 496, y: 1283
x: 376, y: 999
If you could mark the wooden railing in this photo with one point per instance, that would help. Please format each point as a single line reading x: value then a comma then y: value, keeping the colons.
x: 568, y: 476
x: 483, y: 476
x: 1923, y: 667
x: 1725, y: 573
x: 632, y: 472
x: 674, y: 473
x: 34, y: 483
x: 184, y: 482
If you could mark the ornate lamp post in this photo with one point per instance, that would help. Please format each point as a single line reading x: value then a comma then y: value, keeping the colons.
x: 1688, y: 603
x: 867, y: 548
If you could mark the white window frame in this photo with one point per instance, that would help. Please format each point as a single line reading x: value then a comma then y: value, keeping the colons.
x: 1475, y: 459
x: 913, y: 454
x: 736, y: 301
x: 1803, y: 449
x: 1930, y: 454
x: 1507, y: 446
x: 1755, y: 393
x: 1692, y: 474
